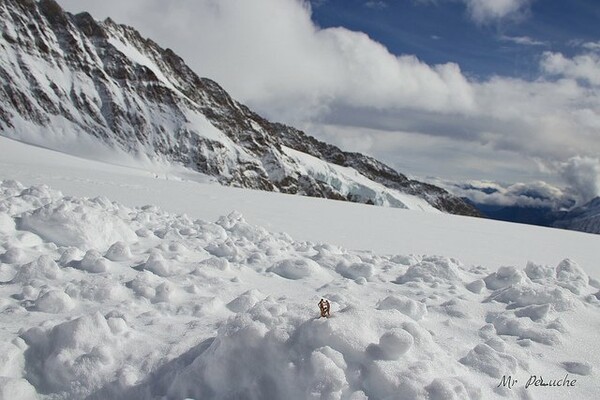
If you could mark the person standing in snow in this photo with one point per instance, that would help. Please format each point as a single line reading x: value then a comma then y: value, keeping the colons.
x: 324, y: 306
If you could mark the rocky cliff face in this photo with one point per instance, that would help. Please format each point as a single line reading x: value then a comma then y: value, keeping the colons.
x: 69, y: 81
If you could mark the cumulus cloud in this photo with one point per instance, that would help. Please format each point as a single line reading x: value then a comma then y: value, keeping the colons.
x: 534, y: 194
x: 582, y: 174
x: 584, y: 66
x: 489, y: 11
x: 271, y: 55
x: 594, y: 46
x: 483, y: 11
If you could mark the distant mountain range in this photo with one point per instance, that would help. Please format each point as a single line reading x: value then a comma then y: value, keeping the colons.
x: 75, y: 84
x: 584, y: 219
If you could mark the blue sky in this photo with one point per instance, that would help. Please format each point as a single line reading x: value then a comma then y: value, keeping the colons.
x: 485, y: 90
x: 443, y: 31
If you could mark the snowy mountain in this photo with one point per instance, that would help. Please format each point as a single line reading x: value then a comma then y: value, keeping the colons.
x: 584, y: 219
x: 86, y: 87
x: 536, y: 203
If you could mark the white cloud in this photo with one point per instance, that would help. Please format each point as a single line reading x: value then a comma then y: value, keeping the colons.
x: 584, y: 66
x: 594, y: 46
x: 488, y: 11
x: 523, y: 40
x: 534, y: 194
x: 583, y: 177
x: 580, y: 181
x: 270, y: 54
x: 484, y: 11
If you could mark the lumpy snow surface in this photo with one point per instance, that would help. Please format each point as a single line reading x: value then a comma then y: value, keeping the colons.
x: 102, y: 301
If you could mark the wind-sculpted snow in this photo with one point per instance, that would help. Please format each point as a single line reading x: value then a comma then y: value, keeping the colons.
x: 100, y: 301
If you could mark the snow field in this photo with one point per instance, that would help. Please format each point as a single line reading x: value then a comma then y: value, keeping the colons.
x: 99, y: 300
x: 383, y: 230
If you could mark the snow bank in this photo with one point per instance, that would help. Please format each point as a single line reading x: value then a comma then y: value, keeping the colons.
x: 490, y: 361
x: 75, y: 356
x: 295, y: 268
x: 55, y: 302
x: 118, y: 251
x: 301, y: 358
x: 79, y: 223
x: 432, y: 269
x: 405, y: 305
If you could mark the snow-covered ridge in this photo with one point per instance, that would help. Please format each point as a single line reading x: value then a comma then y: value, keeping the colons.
x: 348, y: 182
x: 78, y: 85
x: 584, y: 219
x: 99, y: 300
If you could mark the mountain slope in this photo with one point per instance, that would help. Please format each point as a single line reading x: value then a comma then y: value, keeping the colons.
x: 584, y: 219
x: 75, y: 84
x: 376, y: 171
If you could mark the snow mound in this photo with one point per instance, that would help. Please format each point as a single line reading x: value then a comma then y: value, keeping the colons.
x: 7, y: 224
x: 570, y: 276
x: 13, y: 255
x: 505, y: 276
x: 42, y: 269
x: 432, y: 269
x: 485, y: 359
x: 523, y: 329
x: 74, y: 356
x: 157, y: 264
x: 355, y: 270
x: 524, y: 295
x: 337, y: 358
x: 297, y: 268
x: 79, y: 223
x: 54, y: 302
x: 245, y: 301
x: 118, y: 251
x: 405, y: 305
x: 391, y: 345
x: 92, y: 262
x: 476, y: 286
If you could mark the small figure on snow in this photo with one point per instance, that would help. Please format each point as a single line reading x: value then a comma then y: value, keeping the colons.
x: 324, y: 306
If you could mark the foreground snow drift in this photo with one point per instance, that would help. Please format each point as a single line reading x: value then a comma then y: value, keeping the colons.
x: 103, y: 301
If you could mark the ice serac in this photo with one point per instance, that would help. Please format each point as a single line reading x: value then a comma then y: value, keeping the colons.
x: 78, y: 85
